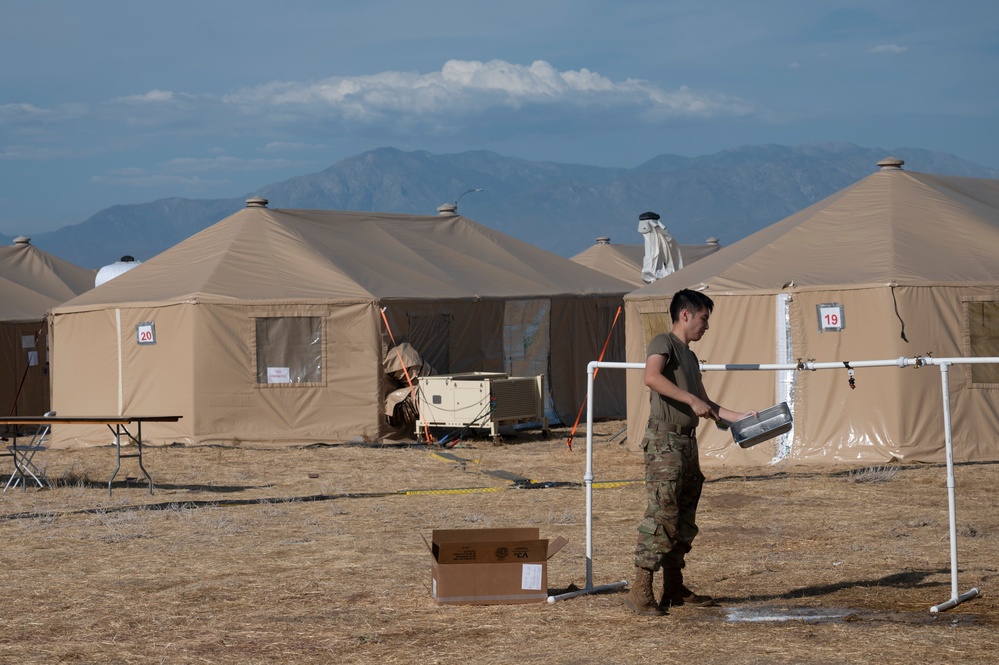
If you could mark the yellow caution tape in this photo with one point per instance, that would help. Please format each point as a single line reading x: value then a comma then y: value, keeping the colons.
x: 466, y: 490
x: 616, y: 483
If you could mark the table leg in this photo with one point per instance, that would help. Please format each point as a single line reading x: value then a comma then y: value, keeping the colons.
x: 138, y: 447
x: 117, y: 445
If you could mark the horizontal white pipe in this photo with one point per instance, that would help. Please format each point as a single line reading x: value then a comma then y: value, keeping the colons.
x: 916, y: 361
x: 954, y: 602
x: 812, y: 365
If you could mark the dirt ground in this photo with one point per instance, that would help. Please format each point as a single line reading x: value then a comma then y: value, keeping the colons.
x: 316, y: 555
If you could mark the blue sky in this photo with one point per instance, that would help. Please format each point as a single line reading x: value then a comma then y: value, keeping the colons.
x: 106, y: 102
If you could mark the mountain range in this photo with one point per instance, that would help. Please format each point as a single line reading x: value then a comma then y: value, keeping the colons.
x: 562, y: 208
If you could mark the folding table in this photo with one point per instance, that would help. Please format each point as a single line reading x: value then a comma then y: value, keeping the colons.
x: 119, y: 428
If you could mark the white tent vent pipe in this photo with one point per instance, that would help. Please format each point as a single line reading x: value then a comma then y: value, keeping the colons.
x: 917, y: 361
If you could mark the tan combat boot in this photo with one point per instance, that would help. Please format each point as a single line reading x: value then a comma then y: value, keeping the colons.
x: 641, y: 599
x: 676, y: 594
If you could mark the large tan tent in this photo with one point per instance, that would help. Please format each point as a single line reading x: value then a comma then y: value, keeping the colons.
x: 898, y: 264
x: 625, y: 261
x: 31, y: 283
x: 267, y: 327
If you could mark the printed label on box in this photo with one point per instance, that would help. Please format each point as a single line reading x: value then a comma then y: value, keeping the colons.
x: 530, y: 576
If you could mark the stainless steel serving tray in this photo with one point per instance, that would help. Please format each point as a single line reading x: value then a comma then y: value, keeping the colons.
x: 769, y: 423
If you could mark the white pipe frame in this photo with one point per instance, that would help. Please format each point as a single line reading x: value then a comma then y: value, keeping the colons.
x: 901, y: 362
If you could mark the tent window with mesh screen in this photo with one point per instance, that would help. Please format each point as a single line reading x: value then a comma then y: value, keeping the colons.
x: 290, y: 350
x: 983, y: 329
x: 431, y: 336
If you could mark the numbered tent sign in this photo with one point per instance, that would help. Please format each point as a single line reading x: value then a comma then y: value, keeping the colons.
x: 145, y: 333
x: 831, y: 317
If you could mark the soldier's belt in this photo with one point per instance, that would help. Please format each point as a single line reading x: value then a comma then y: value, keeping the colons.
x: 672, y: 427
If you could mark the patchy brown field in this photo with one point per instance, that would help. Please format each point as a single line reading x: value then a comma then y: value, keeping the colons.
x: 315, y: 555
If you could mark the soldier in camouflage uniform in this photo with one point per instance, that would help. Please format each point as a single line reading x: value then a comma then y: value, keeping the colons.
x: 673, y: 478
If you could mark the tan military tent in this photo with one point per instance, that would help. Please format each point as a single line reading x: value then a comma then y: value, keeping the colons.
x: 31, y: 283
x: 267, y: 327
x: 625, y: 261
x: 906, y: 264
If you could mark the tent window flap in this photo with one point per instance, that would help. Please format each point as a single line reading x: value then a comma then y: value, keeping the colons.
x: 289, y: 350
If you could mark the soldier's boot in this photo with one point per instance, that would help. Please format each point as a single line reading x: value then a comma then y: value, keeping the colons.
x: 675, y: 593
x: 641, y: 598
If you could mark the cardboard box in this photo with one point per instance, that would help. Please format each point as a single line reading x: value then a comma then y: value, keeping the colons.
x: 490, y: 566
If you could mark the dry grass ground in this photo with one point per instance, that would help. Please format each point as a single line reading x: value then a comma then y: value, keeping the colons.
x: 315, y: 555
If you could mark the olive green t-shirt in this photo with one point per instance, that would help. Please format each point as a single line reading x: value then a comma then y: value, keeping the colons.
x: 683, y: 369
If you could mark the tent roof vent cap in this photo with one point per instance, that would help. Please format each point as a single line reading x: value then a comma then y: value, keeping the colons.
x: 648, y: 215
x: 603, y: 240
x: 447, y: 210
x: 891, y: 164
x: 256, y: 202
x: 22, y: 240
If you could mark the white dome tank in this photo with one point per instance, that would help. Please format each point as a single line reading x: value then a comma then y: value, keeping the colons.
x: 111, y: 271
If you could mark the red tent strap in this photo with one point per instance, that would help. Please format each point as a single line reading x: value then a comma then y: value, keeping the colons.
x: 582, y: 406
x: 402, y: 363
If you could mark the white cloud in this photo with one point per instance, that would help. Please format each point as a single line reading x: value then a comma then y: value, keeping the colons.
x: 464, y: 87
x: 225, y: 163
x: 285, y: 146
x: 153, y: 96
x: 29, y: 113
x: 19, y: 111
x: 188, y: 172
x: 138, y: 178
x: 465, y: 97
x: 891, y: 49
x: 31, y: 153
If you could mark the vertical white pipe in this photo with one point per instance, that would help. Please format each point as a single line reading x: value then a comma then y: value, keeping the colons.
x: 955, y: 597
x: 588, y: 482
x: 785, y: 377
x: 949, y: 448
x: 588, y: 476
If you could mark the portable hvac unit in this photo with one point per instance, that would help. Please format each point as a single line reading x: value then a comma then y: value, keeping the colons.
x: 480, y: 400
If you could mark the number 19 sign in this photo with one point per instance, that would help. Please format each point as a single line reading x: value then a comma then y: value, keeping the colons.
x: 831, y: 317
x: 145, y: 333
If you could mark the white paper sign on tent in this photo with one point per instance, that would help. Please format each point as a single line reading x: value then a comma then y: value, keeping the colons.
x: 278, y: 375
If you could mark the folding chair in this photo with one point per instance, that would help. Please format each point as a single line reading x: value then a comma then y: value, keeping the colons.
x: 24, y: 456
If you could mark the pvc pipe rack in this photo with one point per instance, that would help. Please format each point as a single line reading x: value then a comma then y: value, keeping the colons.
x: 916, y: 361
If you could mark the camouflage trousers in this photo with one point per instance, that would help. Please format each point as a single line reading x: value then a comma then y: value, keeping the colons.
x: 673, y: 482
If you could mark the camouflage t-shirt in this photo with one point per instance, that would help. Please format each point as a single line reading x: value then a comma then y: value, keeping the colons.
x: 683, y: 369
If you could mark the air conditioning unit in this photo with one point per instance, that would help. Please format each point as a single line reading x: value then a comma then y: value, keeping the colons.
x: 480, y: 400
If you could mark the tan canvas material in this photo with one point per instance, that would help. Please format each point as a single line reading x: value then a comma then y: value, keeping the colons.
x: 897, y: 248
x: 443, y: 281
x: 31, y: 282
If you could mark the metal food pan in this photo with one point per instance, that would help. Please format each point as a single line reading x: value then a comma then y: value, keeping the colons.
x: 769, y: 423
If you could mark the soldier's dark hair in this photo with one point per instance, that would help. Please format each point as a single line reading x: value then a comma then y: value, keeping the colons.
x: 692, y: 301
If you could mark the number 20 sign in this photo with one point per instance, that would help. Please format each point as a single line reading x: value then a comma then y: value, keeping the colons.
x: 831, y: 317
x: 145, y: 333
